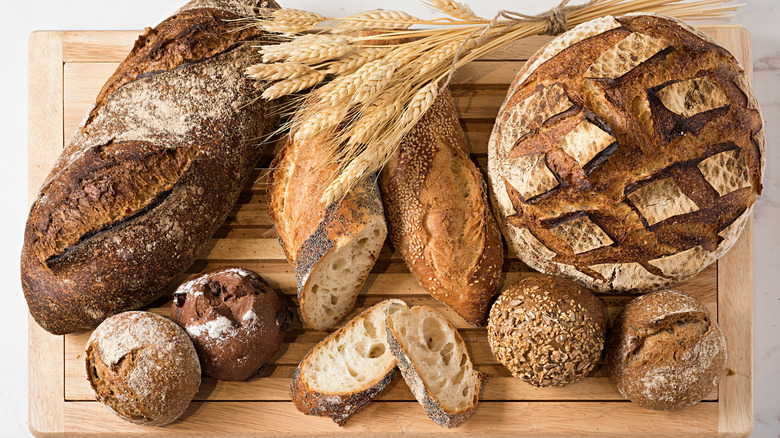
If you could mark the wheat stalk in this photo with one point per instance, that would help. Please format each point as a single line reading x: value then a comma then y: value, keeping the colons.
x: 289, y: 86
x: 454, y: 9
x: 354, y: 60
x: 379, y: 85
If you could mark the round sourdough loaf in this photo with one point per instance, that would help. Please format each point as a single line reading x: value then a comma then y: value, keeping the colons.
x: 627, y: 155
x: 143, y: 367
x: 665, y: 351
x: 235, y: 319
x: 548, y: 331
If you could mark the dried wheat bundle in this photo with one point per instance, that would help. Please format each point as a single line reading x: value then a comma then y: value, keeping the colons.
x: 370, y: 88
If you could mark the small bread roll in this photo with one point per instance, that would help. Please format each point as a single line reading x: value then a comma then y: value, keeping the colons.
x: 235, y: 319
x: 143, y: 367
x: 665, y: 351
x: 548, y: 331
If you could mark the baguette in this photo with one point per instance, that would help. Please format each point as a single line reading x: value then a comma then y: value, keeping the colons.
x: 348, y: 368
x: 434, y: 362
x: 331, y: 247
x: 438, y: 214
x: 150, y: 174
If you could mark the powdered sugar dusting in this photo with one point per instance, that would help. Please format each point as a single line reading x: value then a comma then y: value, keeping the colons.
x: 250, y: 315
x: 218, y: 328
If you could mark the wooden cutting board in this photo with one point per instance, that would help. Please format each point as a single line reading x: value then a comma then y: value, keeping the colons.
x: 66, y: 71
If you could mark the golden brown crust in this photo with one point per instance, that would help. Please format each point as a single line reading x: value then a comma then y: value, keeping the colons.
x: 438, y: 216
x: 147, y: 178
x: 619, y: 150
x: 665, y: 351
x: 308, y: 230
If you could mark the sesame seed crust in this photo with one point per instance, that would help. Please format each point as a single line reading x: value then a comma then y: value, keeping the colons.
x: 438, y: 215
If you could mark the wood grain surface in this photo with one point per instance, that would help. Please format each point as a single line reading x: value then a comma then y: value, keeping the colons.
x: 66, y: 70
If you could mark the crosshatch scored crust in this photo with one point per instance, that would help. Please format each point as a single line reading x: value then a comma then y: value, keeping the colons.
x: 672, y: 165
x: 261, y: 406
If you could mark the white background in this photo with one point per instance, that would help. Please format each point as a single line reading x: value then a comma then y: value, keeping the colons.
x: 761, y: 17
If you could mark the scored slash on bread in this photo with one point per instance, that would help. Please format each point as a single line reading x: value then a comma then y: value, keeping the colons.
x: 346, y: 369
x: 434, y: 362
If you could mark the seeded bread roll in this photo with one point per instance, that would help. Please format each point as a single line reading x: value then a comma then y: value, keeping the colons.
x: 142, y: 367
x: 151, y: 173
x: 665, y: 351
x: 235, y: 319
x: 548, y: 331
x: 346, y: 369
x: 332, y: 247
x: 438, y: 214
x: 627, y: 155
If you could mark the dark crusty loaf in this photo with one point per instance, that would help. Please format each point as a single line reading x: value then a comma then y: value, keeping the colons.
x: 346, y: 369
x: 665, y: 351
x: 438, y: 214
x: 150, y: 174
x: 434, y: 362
x: 332, y: 247
x: 235, y: 319
x: 143, y: 367
x: 627, y: 155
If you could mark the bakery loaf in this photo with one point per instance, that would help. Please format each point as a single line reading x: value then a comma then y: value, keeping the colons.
x: 665, y: 351
x: 434, y: 362
x: 627, y: 155
x: 235, y: 319
x: 346, y: 369
x: 143, y: 367
x: 438, y: 215
x: 332, y: 247
x: 548, y: 331
x: 151, y: 172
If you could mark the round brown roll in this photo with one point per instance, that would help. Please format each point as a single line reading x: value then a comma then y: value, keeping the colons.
x: 627, y: 155
x: 665, y: 351
x: 548, y: 331
x: 143, y: 367
x: 235, y: 319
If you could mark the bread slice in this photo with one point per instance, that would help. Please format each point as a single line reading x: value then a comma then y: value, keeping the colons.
x: 332, y: 247
x: 434, y: 362
x: 346, y: 369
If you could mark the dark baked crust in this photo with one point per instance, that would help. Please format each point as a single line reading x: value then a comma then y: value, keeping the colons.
x: 665, y: 351
x: 548, y: 331
x: 235, y: 319
x: 148, y: 177
x: 143, y: 367
x: 438, y: 214
x: 338, y: 407
x: 681, y: 129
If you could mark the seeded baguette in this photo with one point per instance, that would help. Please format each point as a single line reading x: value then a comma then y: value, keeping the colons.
x: 150, y: 174
x: 337, y: 356
x: 438, y: 214
x: 425, y: 345
x: 332, y: 247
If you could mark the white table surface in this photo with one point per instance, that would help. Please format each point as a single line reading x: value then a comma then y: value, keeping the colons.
x: 760, y: 17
